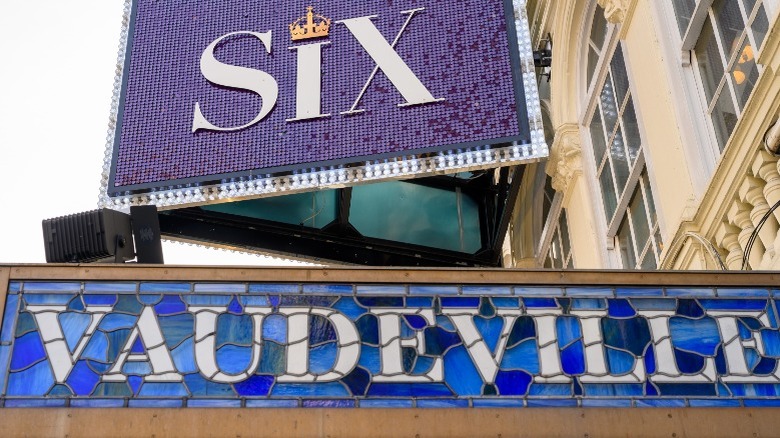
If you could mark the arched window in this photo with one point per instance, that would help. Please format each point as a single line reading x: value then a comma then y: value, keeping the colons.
x: 724, y: 37
x: 611, y: 119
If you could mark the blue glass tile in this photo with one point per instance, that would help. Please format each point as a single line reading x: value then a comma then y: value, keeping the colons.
x: 327, y: 289
x: 113, y: 287
x: 220, y: 287
x: 619, y: 362
x: 696, y: 335
x: 524, y: 328
x: 660, y: 403
x: 754, y: 389
x: 743, y: 292
x: 546, y: 303
x: 273, y: 359
x: 44, y: 287
x: 27, y: 350
x: 331, y: 389
x: 139, y: 368
x: 235, y: 307
x: 74, y: 325
x: 152, y: 403
x: 460, y: 302
x: 307, y: 300
x: 622, y: 292
x: 409, y: 390
x: 588, y: 304
x: 82, y: 379
x: 128, y: 304
x: 552, y: 403
x: 150, y: 299
x: 422, y: 365
x: 116, y: 341
x: 99, y: 300
x: 234, y: 329
x: 224, y: 403
x: 114, y: 321
x: 568, y: 328
x: 269, y: 288
x: 380, y: 301
x: 506, y: 303
x: 166, y: 287
x: 233, y: 359
x: 25, y: 323
x: 112, y: 389
x: 97, y: 403
x: 14, y: 287
x: 753, y: 403
x: 573, y: 358
x: 275, y: 328
x: 538, y: 291
x: 76, y: 304
x: 460, y: 372
x: 687, y: 389
x: 690, y: 308
x: 170, y: 305
x: 614, y: 390
x: 320, y: 330
x: 433, y: 290
x: 733, y: 304
x: 589, y: 292
x: 254, y: 403
x: 713, y: 403
x: 653, y: 304
x: 424, y: 302
x: 48, y: 299
x: 176, y: 328
x: 138, y: 347
x: 154, y: 389
x: 35, y: 403
x: 610, y: 403
x: 208, y: 300
x: 416, y: 322
x: 550, y: 389
x: 393, y: 289
x: 620, y: 308
x: 445, y: 323
x: 322, y: 358
x: 5, y: 353
x: 442, y: 403
x: 690, y: 292
x: 513, y: 382
x: 387, y: 403
x: 60, y: 391
x: 9, y: 318
x: 369, y: 359
x: 497, y: 403
x: 34, y: 381
x: 486, y: 290
x: 524, y: 356
x: 328, y: 404
x: 771, y: 340
x: 200, y: 387
x: 357, y: 381
x: 631, y: 334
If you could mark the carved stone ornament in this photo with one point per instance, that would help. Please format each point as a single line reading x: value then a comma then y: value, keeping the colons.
x: 614, y: 10
x: 565, y: 158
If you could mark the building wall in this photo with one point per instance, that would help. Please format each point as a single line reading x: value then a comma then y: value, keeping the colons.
x: 710, y: 192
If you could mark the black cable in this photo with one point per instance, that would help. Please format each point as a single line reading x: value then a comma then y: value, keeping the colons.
x: 752, y: 239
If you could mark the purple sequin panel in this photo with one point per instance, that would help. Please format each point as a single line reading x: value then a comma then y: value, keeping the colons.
x: 458, y: 49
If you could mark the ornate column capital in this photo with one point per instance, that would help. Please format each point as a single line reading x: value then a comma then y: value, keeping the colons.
x: 565, y: 157
x: 615, y: 11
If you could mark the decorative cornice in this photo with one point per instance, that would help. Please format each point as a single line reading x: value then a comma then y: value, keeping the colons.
x: 565, y: 157
x: 615, y: 11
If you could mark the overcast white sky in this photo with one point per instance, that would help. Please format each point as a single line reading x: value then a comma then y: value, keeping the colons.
x: 57, y: 66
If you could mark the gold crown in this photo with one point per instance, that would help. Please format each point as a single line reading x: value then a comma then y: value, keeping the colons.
x: 310, y: 26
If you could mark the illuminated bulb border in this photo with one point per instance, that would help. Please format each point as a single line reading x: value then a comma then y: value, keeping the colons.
x: 462, y: 160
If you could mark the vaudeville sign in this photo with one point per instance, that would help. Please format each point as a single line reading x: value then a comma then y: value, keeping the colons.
x: 250, y: 98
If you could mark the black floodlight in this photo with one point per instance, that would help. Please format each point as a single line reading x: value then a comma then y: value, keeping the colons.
x: 104, y: 236
x: 97, y: 235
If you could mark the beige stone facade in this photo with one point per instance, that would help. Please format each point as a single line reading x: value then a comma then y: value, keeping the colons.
x: 657, y: 113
